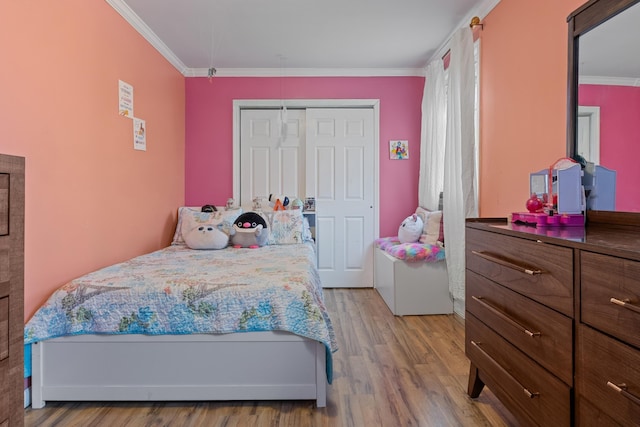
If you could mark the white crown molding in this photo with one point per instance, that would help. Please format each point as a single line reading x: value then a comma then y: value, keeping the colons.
x: 307, y: 72
x: 138, y: 24
x: 609, y: 81
x: 481, y: 11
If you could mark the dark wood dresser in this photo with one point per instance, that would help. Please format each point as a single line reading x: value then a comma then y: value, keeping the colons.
x: 553, y: 321
x: 11, y: 290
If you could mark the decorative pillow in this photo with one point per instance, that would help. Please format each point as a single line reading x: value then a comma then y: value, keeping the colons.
x: 410, y: 251
x: 433, y: 230
x: 287, y: 227
x: 307, y: 236
x: 224, y: 218
x: 203, y: 236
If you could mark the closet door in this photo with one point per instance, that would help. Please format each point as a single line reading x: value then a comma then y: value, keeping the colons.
x: 340, y: 174
x: 11, y: 290
x: 272, y: 156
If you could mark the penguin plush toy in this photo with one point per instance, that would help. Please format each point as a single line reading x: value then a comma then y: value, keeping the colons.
x: 249, y: 231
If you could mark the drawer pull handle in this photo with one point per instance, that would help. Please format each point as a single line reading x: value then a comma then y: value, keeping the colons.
x: 506, y: 263
x: 529, y: 394
x: 622, y: 389
x: 625, y: 303
x: 505, y: 317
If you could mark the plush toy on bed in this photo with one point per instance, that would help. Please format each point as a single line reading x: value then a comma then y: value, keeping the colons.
x: 204, y: 236
x: 411, y: 229
x: 249, y: 231
x: 277, y: 202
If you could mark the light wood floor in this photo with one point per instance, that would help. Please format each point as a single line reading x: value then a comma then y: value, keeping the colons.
x: 388, y: 371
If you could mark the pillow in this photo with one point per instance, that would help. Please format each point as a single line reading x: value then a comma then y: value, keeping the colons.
x: 203, y: 236
x: 433, y: 230
x: 410, y: 251
x: 307, y: 236
x: 222, y: 217
x: 287, y: 227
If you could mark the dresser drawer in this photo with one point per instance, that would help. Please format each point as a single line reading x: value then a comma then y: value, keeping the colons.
x: 540, y: 271
x: 543, y: 334
x: 608, y: 375
x: 588, y: 415
x: 610, y: 298
x: 533, y: 395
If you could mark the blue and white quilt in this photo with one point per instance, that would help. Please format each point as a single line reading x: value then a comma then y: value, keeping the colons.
x: 177, y: 290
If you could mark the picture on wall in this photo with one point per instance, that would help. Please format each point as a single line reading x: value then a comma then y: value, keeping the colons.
x: 125, y: 99
x: 139, y: 136
x: 310, y: 204
x: 398, y: 150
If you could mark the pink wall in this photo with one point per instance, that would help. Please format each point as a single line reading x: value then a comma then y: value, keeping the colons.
x: 619, y: 140
x: 91, y: 200
x: 523, y: 98
x: 209, y: 169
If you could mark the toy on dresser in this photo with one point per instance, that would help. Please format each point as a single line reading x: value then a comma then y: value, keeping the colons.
x: 557, y: 196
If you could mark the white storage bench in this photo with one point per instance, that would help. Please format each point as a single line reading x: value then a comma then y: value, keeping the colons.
x: 412, y: 288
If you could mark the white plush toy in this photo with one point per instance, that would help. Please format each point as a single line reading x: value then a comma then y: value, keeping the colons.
x: 411, y: 229
x: 204, y: 236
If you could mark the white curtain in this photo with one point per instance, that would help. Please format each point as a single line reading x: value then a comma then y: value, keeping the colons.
x: 459, y: 199
x: 432, y: 140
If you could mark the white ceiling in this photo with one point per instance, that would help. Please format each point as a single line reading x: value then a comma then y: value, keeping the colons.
x: 322, y: 37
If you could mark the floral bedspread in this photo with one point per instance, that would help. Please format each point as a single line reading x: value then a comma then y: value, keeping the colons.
x: 177, y: 290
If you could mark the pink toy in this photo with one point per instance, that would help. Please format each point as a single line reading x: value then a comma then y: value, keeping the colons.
x: 534, y: 204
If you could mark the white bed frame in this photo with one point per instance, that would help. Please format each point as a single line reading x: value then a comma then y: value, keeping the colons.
x: 239, y: 366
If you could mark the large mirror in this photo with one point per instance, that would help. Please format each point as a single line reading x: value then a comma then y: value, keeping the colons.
x: 604, y: 99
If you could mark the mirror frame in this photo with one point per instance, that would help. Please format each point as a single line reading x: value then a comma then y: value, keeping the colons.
x: 583, y: 19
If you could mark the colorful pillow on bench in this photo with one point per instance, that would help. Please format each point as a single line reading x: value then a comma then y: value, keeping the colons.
x: 410, y: 252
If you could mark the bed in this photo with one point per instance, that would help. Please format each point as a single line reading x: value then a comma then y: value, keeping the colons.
x: 183, y: 324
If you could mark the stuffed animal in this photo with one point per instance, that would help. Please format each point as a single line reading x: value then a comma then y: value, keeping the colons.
x: 204, y: 236
x: 297, y: 204
x: 411, y: 229
x: 257, y: 204
x: 231, y: 203
x: 278, y: 202
x: 249, y: 231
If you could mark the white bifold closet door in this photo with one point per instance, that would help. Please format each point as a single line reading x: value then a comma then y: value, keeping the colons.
x: 270, y: 163
x: 327, y: 153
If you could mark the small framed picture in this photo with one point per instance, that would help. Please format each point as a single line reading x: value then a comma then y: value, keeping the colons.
x: 310, y: 204
x: 398, y: 150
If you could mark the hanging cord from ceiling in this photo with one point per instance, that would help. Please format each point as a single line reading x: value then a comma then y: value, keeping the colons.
x: 212, y: 71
